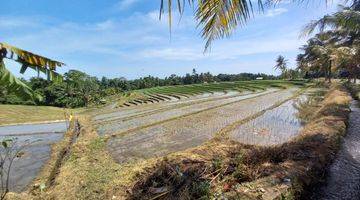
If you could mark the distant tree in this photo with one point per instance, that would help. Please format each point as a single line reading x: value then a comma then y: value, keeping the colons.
x: 281, y: 64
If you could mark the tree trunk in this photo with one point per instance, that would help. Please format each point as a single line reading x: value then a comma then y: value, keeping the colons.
x: 329, y: 72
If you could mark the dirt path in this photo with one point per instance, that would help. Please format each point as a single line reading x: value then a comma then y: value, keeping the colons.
x: 343, y: 179
x: 190, y: 130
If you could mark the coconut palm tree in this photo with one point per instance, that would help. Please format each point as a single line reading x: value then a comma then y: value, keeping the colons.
x: 219, y: 18
x: 281, y: 64
x: 27, y: 60
x: 345, y: 21
x: 343, y: 31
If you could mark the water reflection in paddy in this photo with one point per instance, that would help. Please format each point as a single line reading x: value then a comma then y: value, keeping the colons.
x: 39, y: 138
x: 275, y: 126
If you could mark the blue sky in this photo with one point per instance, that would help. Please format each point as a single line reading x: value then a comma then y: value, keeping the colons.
x: 124, y: 38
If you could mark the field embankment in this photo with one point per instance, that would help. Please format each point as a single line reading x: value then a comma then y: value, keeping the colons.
x: 342, y: 180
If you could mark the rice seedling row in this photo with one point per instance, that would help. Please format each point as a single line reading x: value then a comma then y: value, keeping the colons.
x: 117, y: 126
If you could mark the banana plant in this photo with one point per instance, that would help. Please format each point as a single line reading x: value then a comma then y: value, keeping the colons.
x: 27, y: 60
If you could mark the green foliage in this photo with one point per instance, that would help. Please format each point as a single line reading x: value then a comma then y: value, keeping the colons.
x: 11, y: 83
x: 335, y: 50
x: 217, y: 163
x: 200, y: 190
x: 79, y: 89
x: 286, y: 73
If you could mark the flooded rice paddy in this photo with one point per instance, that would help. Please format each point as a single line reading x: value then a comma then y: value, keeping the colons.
x: 186, y: 130
x: 38, y: 139
x: 275, y: 126
x: 118, y: 114
x: 131, y: 122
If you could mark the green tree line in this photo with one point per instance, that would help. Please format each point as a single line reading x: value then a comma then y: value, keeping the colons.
x: 79, y: 89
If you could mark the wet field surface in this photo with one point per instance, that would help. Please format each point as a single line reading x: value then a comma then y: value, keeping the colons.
x: 343, y: 177
x: 38, y: 139
x: 190, y: 130
x: 124, y: 114
x: 275, y: 126
x: 130, y: 122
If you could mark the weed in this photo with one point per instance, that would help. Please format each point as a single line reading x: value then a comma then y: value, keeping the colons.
x: 217, y: 163
x: 200, y: 190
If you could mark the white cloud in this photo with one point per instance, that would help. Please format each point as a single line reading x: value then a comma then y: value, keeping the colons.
x: 227, y: 49
x: 125, y: 4
x: 119, y: 45
x: 18, y: 22
x: 275, y: 12
x: 179, y: 53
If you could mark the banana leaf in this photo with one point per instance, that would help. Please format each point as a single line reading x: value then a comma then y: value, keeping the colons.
x: 31, y: 60
x: 15, y: 85
x: 28, y: 58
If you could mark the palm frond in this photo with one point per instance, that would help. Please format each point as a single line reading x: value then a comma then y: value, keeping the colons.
x: 218, y: 18
x: 347, y: 19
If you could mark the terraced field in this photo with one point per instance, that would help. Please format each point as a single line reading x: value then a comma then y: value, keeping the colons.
x: 185, y: 117
x: 194, y: 115
x: 168, y: 93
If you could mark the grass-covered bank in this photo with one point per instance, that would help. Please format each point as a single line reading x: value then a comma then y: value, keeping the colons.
x: 15, y: 114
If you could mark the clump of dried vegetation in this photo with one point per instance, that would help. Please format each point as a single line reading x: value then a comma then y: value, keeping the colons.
x: 219, y: 168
